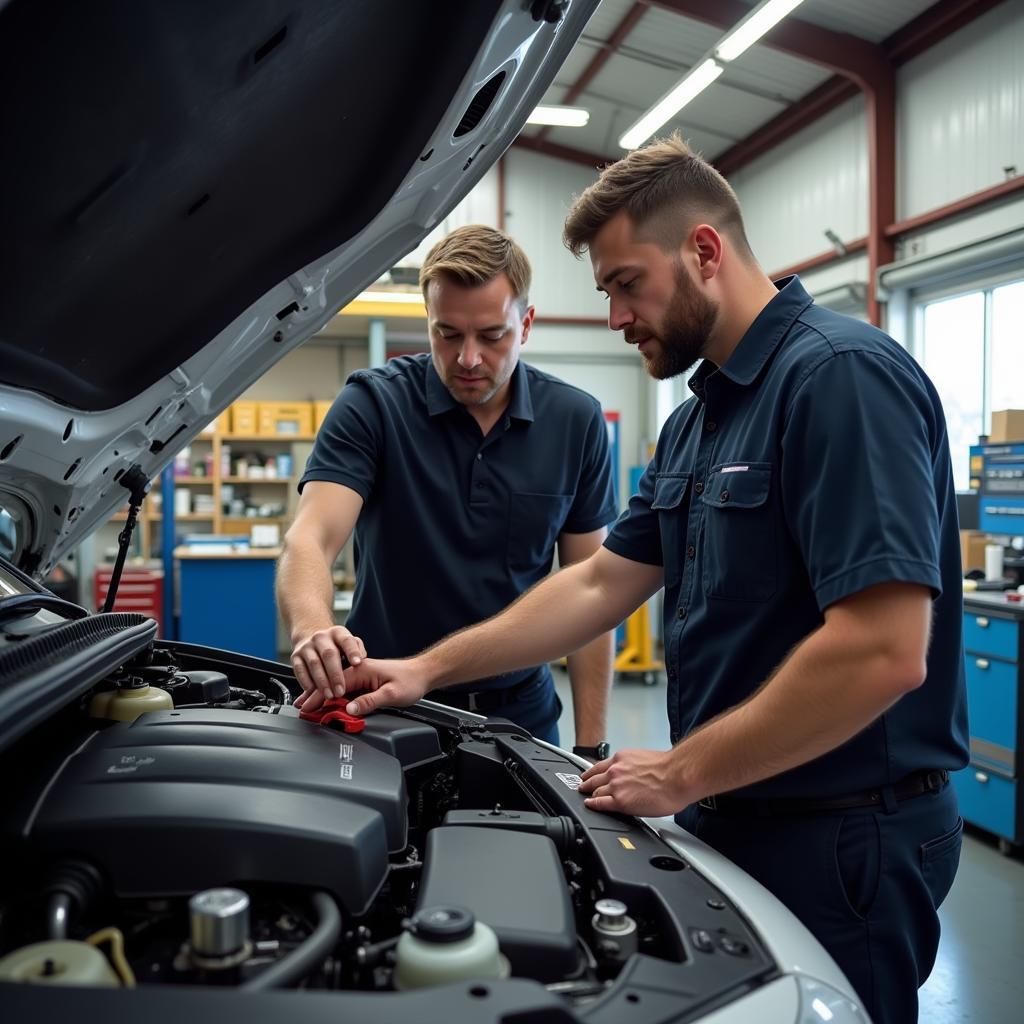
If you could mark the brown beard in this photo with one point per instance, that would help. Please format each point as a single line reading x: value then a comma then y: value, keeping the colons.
x: 685, y: 330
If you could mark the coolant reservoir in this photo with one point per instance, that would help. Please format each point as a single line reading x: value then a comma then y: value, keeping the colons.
x: 59, y: 962
x: 446, y: 944
x: 132, y: 698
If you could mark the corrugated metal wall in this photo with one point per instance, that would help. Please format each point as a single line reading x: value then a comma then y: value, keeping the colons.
x: 815, y: 181
x: 960, y: 113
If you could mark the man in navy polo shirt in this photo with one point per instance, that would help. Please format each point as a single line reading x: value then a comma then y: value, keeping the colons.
x: 800, y: 513
x: 460, y: 470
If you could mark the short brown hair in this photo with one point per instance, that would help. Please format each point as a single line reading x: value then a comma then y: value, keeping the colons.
x: 475, y: 254
x: 664, y: 188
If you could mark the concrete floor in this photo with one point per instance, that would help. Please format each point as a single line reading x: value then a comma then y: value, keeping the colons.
x: 979, y: 974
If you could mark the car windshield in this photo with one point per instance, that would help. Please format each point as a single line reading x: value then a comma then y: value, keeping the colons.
x: 11, y: 535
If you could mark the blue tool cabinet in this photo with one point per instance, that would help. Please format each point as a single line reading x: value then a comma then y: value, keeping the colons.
x: 227, y: 600
x: 989, y: 788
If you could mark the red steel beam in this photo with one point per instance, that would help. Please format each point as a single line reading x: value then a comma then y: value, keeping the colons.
x: 575, y: 156
x: 611, y: 45
x: 846, y: 54
x: 968, y: 204
x: 928, y: 28
x: 822, y: 259
x: 814, y: 105
x: 933, y: 25
x: 958, y: 208
x: 868, y: 67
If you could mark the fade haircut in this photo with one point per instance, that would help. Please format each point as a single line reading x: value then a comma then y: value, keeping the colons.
x: 475, y: 254
x: 665, y: 188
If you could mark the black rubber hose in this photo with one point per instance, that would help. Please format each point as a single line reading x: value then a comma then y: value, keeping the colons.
x: 297, y: 964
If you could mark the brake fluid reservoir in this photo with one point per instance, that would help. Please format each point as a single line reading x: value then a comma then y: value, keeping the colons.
x: 445, y: 944
x: 132, y: 698
x: 59, y: 962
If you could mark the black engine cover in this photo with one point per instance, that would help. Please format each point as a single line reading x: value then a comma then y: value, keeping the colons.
x: 182, y: 800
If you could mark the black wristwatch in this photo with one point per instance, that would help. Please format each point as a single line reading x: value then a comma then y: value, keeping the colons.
x: 595, y: 754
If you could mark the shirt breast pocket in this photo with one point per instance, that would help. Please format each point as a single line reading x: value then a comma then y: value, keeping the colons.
x: 740, y: 556
x: 671, y: 505
x: 535, y: 520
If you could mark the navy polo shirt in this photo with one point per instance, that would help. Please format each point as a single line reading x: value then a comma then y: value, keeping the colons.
x: 812, y: 465
x: 455, y: 525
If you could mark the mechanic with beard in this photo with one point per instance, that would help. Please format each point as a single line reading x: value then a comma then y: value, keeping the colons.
x: 800, y: 513
x: 459, y: 470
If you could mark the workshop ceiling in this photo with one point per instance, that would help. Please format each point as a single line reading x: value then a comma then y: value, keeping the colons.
x: 648, y: 46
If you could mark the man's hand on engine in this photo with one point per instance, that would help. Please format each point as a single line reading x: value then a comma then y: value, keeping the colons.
x: 390, y: 684
x: 316, y: 661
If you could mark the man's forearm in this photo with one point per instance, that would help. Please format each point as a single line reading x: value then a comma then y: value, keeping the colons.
x: 822, y: 695
x: 590, y: 674
x: 305, y: 590
x: 562, y: 613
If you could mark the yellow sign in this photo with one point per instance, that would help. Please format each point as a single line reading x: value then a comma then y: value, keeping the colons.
x: 626, y: 844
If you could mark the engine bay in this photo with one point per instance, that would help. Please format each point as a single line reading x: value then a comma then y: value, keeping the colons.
x: 221, y: 842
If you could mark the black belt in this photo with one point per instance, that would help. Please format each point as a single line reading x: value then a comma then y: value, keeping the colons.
x: 482, y: 701
x: 916, y: 784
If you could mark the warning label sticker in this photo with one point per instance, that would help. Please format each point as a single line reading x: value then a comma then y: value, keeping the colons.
x: 572, y: 781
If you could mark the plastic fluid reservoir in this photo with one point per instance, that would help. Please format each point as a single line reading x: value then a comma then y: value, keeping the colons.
x: 445, y: 944
x: 132, y: 698
x: 59, y: 962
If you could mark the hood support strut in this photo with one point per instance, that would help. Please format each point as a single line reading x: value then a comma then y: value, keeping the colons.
x: 136, y: 483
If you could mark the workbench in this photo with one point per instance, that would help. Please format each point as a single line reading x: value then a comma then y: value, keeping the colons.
x: 227, y: 599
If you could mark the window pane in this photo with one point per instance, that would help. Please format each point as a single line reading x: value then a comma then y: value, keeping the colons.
x: 953, y: 355
x: 1008, y: 347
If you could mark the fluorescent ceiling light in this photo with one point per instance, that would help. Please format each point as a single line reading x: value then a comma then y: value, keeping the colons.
x: 671, y: 103
x: 747, y: 32
x: 562, y: 117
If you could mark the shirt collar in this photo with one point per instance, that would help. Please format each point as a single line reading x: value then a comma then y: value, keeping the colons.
x: 761, y: 339
x: 520, y: 406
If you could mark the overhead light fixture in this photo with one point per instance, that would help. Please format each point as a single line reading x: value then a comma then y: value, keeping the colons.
x: 560, y: 117
x: 759, y: 21
x: 766, y: 15
x: 671, y: 103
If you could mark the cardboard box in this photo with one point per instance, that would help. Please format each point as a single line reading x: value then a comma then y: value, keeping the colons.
x: 1007, y: 425
x: 285, y: 419
x: 972, y: 549
x: 221, y: 425
x: 245, y: 418
x: 320, y: 411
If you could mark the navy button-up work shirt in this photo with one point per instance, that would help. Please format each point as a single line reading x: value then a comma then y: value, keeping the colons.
x: 812, y: 465
x: 455, y: 525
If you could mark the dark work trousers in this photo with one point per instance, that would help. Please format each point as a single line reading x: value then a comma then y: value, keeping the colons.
x: 536, y: 710
x: 866, y: 883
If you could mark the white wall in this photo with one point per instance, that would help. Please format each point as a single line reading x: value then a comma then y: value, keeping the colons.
x: 539, y: 191
x: 816, y: 180
x: 960, y: 113
x: 960, y: 124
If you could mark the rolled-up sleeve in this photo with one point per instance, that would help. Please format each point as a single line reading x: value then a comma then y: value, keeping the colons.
x: 858, y: 476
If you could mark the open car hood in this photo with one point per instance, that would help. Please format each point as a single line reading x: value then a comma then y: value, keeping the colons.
x: 198, y: 189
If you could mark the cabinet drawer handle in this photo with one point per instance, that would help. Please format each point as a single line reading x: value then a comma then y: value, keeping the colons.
x: 981, y: 777
x: 982, y: 663
x: 982, y: 622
